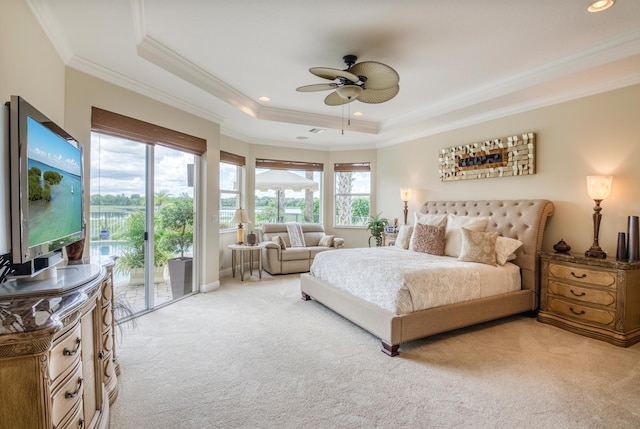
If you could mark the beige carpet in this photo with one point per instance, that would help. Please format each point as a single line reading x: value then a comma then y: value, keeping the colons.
x: 253, y: 355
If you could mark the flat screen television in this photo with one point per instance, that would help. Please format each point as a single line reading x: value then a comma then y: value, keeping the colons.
x: 46, y: 189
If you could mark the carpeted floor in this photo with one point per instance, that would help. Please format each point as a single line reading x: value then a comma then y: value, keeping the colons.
x: 253, y: 355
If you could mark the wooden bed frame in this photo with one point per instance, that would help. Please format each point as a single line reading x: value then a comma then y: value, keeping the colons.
x: 524, y: 220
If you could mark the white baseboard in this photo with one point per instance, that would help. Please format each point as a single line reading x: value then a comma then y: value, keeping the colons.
x: 210, y: 287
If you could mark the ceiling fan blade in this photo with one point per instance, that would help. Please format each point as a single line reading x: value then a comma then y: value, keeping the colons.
x: 317, y: 87
x: 332, y: 74
x: 374, y: 96
x: 379, y: 76
x: 334, y: 99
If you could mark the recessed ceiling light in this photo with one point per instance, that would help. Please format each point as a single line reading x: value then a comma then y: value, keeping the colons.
x: 600, y: 5
x: 264, y: 98
x: 316, y: 130
x: 302, y: 138
x: 358, y: 114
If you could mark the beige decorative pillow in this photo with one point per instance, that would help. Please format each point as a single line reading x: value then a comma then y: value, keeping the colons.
x: 279, y: 241
x: 478, y: 247
x: 326, y: 240
x: 454, y: 233
x: 427, y: 219
x: 505, y: 249
x: 429, y: 239
x: 403, y: 237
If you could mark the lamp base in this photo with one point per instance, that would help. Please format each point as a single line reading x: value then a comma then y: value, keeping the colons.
x: 240, y: 235
x: 595, y: 252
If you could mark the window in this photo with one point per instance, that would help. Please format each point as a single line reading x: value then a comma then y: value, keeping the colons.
x: 352, y: 193
x: 231, y: 166
x: 287, y: 191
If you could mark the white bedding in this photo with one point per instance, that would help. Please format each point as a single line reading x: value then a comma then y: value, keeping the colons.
x: 402, y: 281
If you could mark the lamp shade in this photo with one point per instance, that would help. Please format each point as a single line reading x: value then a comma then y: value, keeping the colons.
x: 240, y: 216
x: 349, y: 91
x: 405, y: 194
x: 599, y: 187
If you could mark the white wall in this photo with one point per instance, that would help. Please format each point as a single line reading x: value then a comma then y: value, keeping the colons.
x: 31, y: 68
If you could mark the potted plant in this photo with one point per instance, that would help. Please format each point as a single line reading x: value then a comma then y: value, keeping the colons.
x: 176, y: 221
x: 376, y: 227
x: 132, y: 260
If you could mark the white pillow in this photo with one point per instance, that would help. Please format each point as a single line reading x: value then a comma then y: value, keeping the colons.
x: 427, y: 219
x: 403, y: 237
x: 505, y: 249
x: 454, y: 231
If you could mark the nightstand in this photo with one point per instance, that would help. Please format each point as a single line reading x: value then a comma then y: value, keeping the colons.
x: 389, y: 238
x: 598, y: 298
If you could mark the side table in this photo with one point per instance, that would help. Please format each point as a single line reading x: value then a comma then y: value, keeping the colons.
x: 597, y: 298
x: 242, y: 248
x: 389, y: 238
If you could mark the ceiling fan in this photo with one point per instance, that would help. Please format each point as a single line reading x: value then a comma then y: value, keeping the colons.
x: 368, y: 82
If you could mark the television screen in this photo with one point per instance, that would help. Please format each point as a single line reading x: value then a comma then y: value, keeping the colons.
x: 55, y: 182
x: 46, y: 185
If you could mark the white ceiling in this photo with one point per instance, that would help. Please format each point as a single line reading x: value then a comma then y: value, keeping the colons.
x: 460, y: 61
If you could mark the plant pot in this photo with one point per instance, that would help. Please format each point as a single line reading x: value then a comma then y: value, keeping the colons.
x: 181, y: 276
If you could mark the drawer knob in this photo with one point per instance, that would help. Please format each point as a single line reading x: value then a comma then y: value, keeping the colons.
x: 68, y: 352
x: 70, y: 395
x: 577, y: 294
x: 579, y: 313
x: 583, y: 275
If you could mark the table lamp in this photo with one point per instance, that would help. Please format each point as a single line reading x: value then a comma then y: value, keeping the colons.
x: 405, y: 195
x: 599, y: 188
x: 241, y: 217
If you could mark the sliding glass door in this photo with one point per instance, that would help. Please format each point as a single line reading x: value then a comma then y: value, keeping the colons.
x: 142, y: 214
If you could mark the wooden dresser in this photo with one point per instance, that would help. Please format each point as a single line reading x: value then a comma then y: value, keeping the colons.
x: 57, y: 366
x: 598, y: 298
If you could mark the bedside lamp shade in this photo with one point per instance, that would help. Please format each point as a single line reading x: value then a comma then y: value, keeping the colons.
x: 599, y: 187
x: 241, y: 217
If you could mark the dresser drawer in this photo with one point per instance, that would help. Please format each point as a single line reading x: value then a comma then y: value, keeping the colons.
x: 65, y: 352
x: 578, y: 274
x: 67, y: 395
x: 582, y: 312
x: 75, y: 419
x: 606, y: 297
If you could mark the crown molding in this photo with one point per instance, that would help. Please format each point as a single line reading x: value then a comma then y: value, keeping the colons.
x: 108, y: 75
x: 607, y: 52
x: 42, y: 12
x: 512, y: 109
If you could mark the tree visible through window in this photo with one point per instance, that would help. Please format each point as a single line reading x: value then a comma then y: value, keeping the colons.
x: 231, y: 166
x: 352, y: 193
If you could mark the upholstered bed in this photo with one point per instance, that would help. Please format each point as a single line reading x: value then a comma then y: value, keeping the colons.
x: 523, y: 220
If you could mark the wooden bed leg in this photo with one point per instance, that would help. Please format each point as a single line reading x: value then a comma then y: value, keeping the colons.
x: 305, y: 297
x: 389, y: 349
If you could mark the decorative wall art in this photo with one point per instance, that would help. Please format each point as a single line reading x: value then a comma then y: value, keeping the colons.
x: 505, y: 156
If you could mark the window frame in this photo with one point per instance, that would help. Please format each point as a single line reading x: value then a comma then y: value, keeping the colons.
x: 237, y: 161
x: 355, y: 167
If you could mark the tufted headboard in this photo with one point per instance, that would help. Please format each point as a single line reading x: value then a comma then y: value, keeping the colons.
x: 524, y: 220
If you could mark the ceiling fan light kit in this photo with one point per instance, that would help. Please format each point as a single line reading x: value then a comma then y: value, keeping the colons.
x: 369, y: 82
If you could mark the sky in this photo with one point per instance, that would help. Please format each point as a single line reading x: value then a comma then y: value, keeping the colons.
x: 118, y: 167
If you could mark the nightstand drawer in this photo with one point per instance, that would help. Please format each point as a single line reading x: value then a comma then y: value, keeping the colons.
x: 578, y: 274
x: 582, y: 312
x: 587, y: 295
